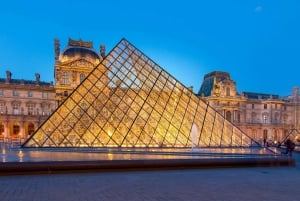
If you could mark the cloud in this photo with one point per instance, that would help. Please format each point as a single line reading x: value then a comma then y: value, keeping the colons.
x: 258, y: 9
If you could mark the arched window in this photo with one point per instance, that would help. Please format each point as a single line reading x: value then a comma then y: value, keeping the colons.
x: 30, y: 128
x: 228, y: 115
x: 275, y: 135
x: 265, y: 134
x: 1, y: 128
x: 16, y: 129
x: 65, y: 78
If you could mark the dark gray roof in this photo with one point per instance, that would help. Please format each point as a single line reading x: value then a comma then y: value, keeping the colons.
x: 253, y: 95
x: 26, y: 82
x: 83, y: 51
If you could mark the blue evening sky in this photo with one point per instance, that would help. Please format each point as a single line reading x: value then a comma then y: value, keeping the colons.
x: 256, y: 41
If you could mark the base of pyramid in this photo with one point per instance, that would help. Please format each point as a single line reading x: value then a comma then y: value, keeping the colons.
x: 53, y: 167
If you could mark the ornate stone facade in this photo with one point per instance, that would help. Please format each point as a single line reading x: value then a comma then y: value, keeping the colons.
x: 261, y: 116
x: 73, y: 64
x: 24, y: 105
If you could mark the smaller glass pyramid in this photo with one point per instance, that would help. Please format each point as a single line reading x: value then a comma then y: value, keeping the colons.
x: 130, y: 101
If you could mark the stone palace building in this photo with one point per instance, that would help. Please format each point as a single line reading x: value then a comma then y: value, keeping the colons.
x: 25, y: 104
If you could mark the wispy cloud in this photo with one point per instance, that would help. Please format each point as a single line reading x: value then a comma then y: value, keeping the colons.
x: 258, y: 9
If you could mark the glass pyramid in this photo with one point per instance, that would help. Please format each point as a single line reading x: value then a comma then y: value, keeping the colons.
x: 294, y: 135
x: 130, y: 101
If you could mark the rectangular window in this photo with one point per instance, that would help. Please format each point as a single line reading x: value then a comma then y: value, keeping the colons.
x: 29, y: 93
x: 265, y: 117
x: 265, y: 106
x: 15, y: 108
x: 30, y: 109
x: 15, y: 93
x: 2, y: 108
x: 65, y: 78
x: 252, y: 106
x: 44, y: 95
x: 1, y: 92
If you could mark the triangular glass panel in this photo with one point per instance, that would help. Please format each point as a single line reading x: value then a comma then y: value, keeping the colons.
x: 130, y: 101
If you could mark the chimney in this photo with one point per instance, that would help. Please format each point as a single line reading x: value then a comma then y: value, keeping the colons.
x: 37, y: 78
x: 56, y: 48
x: 8, y: 76
x: 102, y: 51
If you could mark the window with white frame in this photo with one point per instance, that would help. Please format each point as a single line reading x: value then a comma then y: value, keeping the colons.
x: 65, y: 78
x: 30, y: 108
x: 44, y: 95
x: 15, y: 93
x: 265, y: 118
x: 29, y: 94
x: 2, y: 108
x: 16, y: 108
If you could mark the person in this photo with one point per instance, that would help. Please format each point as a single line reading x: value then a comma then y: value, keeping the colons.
x: 290, y: 145
x: 265, y: 140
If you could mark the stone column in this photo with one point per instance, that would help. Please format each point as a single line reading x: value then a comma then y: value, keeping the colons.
x: 6, y: 131
x: 22, y: 130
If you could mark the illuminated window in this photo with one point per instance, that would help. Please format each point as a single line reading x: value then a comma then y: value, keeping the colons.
x: 65, y: 78
x: 16, y: 129
x: 265, y: 134
x: 1, y: 128
x: 30, y: 128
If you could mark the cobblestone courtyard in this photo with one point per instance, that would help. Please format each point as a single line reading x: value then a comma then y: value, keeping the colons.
x: 240, y: 184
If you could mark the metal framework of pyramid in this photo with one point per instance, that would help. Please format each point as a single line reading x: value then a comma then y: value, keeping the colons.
x: 130, y: 101
x: 294, y: 135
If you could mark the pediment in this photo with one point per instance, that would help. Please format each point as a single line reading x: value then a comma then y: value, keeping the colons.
x: 81, y: 63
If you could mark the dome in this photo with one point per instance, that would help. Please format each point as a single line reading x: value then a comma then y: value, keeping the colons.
x: 71, y: 51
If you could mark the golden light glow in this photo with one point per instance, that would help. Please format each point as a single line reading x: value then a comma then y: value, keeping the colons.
x: 129, y: 101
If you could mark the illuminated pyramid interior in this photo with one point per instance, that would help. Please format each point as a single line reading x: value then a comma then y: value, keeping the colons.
x: 130, y: 101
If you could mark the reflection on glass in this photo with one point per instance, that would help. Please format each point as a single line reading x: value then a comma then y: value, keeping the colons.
x: 129, y: 101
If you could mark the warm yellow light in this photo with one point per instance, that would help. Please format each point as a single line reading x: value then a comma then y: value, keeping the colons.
x: 109, y: 133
